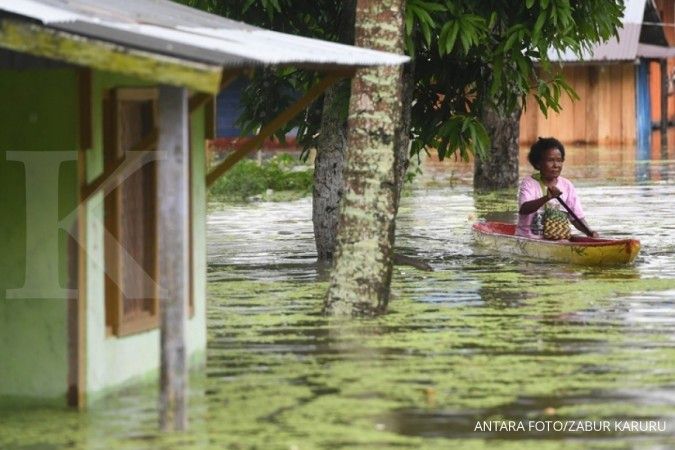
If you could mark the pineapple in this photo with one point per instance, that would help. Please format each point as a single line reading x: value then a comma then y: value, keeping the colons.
x: 556, y: 224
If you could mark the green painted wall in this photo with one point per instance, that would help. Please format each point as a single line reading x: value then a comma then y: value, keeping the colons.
x: 38, y: 113
x: 197, y: 343
x: 113, y: 361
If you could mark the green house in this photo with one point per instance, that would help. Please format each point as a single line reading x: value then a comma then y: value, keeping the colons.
x: 105, y: 107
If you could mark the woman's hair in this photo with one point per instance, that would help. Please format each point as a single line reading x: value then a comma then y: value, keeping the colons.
x: 538, y: 148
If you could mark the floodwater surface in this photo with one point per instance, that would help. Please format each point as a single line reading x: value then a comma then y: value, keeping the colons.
x: 482, y: 338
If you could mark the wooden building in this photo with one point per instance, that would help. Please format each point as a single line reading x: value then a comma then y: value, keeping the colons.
x: 104, y: 112
x: 620, y: 84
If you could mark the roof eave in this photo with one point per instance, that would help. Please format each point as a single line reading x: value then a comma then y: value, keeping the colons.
x: 47, y: 42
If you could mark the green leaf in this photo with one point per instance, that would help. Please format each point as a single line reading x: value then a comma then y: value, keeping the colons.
x: 569, y: 90
x: 493, y: 20
x: 542, y: 105
x: 452, y: 36
x: 422, y: 15
x: 472, y: 134
x: 410, y: 46
x: 428, y: 6
x: 275, y: 4
x: 556, y: 91
x: 247, y: 5
x: 409, y: 18
x: 465, y: 39
x: 554, y: 16
x: 524, y: 65
x: 511, y: 40
x: 426, y: 33
x: 465, y: 124
x: 538, y: 25
x: 442, y: 39
x: 483, y: 140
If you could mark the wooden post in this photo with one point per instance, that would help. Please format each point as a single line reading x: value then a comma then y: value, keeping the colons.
x: 173, y: 232
x: 664, y: 108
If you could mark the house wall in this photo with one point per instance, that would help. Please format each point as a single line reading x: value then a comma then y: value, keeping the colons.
x: 111, y: 360
x: 666, y: 9
x: 604, y: 114
x: 38, y: 119
x: 228, y: 109
x: 643, y: 110
x: 655, y: 90
x: 39, y: 110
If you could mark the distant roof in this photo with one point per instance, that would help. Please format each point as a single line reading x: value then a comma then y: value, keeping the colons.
x: 175, y: 30
x: 638, y: 38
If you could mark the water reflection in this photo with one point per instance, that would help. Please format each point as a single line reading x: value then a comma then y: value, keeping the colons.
x: 490, y: 337
x: 498, y: 206
x: 607, y: 165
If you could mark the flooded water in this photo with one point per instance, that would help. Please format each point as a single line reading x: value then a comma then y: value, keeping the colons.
x: 483, y: 338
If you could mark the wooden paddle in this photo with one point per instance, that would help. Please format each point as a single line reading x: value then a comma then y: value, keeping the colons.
x: 584, y: 228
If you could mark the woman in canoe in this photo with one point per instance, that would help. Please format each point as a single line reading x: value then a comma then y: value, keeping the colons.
x: 547, y: 155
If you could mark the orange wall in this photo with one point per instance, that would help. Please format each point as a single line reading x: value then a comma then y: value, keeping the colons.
x: 655, y: 90
x: 666, y: 9
x: 604, y: 114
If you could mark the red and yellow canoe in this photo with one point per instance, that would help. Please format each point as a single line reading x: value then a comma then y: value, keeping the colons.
x: 578, y: 250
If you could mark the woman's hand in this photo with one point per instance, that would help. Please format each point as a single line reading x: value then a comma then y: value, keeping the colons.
x: 553, y: 192
x: 583, y: 227
x: 533, y: 205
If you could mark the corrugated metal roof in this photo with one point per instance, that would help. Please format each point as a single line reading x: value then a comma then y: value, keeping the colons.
x: 176, y: 30
x: 622, y: 49
x: 628, y: 46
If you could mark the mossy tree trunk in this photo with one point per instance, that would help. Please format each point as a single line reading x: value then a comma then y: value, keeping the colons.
x: 499, y: 169
x: 361, y: 275
x: 330, y: 152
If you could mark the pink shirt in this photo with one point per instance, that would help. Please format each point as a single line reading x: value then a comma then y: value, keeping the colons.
x: 531, y: 189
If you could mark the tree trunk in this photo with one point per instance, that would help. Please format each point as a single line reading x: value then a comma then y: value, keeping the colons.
x: 330, y: 152
x: 328, y: 168
x: 499, y: 169
x: 329, y: 165
x: 402, y: 143
x: 359, y: 282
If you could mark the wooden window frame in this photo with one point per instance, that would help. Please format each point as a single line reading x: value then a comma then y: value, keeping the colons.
x: 116, y: 324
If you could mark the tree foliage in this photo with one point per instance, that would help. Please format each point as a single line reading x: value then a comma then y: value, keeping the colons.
x: 467, y: 54
x: 470, y: 54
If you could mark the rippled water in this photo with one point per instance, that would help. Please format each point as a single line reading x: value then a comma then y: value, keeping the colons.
x: 481, y: 338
